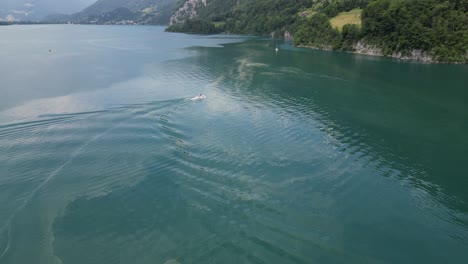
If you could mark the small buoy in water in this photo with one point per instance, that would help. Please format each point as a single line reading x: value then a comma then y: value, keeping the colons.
x: 50, y: 50
x: 276, y: 50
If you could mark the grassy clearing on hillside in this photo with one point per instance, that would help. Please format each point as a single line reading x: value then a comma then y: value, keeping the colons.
x: 343, y: 18
x: 219, y: 24
x: 148, y: 10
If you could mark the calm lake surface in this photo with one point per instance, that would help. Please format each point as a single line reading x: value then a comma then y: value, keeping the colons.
x: 300, y: 156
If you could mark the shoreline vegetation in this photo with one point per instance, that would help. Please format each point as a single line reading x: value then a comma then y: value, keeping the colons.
x: 9, y: 23
x: 434, y: 31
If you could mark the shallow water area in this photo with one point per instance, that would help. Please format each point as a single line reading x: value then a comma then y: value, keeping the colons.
x: 295, y: 156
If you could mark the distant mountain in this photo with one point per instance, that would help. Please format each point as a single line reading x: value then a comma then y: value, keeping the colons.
x: 121, y: 11
x: 34, y: 10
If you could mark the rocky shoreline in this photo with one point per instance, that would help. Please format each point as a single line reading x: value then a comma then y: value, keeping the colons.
x: 415, y: 55
x: 366, y: 49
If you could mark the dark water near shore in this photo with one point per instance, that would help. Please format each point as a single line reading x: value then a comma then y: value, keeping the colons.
x: 299, y: 156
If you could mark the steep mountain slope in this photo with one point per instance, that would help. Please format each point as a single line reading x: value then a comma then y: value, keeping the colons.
x: 240, y: 16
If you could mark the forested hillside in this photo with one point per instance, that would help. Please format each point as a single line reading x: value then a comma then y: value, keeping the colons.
x: 431, y: 30
x: 244, y: 16
x: 439, y: 27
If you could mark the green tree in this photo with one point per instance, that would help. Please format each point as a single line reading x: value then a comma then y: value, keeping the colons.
x: 349, y: 36
x: 317, y: 32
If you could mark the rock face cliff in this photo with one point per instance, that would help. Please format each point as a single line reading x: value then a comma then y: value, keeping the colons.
x: 188, y: 10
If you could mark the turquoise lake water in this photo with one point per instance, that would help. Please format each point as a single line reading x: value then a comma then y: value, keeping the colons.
x: 300, y: 156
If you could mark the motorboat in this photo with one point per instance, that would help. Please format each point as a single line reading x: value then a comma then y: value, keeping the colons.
x: 198, y: 97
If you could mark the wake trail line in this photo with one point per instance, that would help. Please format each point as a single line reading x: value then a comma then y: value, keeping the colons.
x: 54, y: 173
x: 51, y: 176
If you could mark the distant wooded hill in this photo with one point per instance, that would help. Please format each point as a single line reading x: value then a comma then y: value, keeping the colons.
x: 116, y: 11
